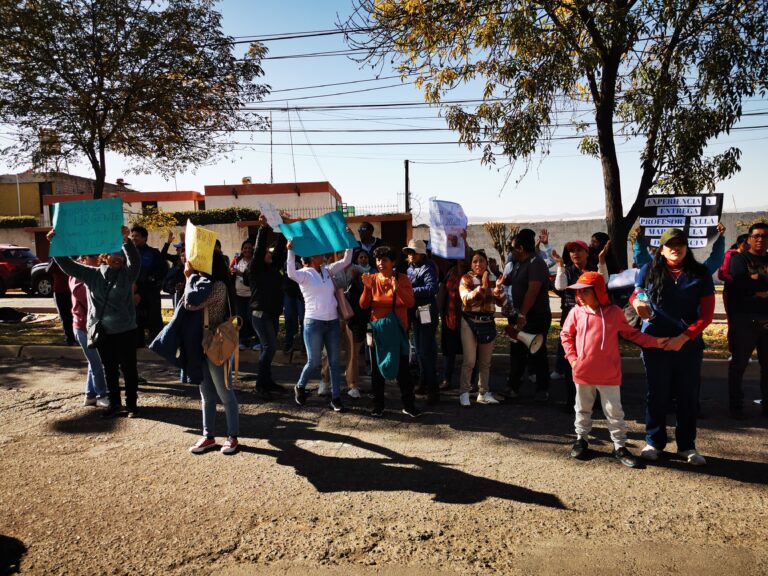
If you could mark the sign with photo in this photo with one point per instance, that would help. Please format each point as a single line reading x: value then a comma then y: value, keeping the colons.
x: 447, y: 221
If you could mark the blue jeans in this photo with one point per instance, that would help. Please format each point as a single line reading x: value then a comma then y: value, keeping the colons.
x: 211, y: 389
x: 95, y: 384
x: 681, y: 369
x: 293, y: 310
x: 246, y: 331
x: 266, y: 329
x: 319, y: 333
x: 425, y: 341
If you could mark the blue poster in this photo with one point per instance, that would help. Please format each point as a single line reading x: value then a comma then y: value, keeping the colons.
x: 322, y: 235
x: 87, y: 227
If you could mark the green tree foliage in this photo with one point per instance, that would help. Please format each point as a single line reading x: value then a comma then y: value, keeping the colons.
x: 17, y: 221
x: 153, y: 218
x: 156, y: 82
x: 216, y: 216
x: 670, y: 73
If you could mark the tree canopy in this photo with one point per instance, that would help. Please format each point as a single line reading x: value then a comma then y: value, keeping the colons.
x: 671, y: 73
x: 156, y: 82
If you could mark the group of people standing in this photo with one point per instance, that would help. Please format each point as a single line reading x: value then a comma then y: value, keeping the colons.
x: 394, y: 305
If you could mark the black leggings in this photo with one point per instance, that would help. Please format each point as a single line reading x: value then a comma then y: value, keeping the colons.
x: 403, y: 380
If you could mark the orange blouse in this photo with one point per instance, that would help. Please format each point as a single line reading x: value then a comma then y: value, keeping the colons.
x: 379, y: 297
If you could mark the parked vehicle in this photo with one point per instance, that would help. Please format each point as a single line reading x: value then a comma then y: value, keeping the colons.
x: 41, y: 280
x: 16, y: 264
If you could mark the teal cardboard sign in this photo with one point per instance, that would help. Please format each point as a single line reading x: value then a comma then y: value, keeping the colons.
x: 87, y: 227
x: 322, y: 235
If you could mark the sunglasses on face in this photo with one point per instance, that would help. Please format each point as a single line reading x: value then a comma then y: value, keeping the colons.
x: 759, y: 236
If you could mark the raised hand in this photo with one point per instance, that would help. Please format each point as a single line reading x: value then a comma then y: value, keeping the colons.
x: 543, y: 236
x: 557, y: 258
x: 126, y: 233
x: 721, y: 229
x: 604, y: 252
x: 484, y: 280
x: 289, y: 245
x: 169, y: 239
x: 50, y: 235
x: 263, y: 220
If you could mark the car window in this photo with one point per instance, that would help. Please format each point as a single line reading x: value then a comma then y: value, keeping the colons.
x: 18, y: 253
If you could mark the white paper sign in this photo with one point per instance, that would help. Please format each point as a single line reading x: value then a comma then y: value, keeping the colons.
x: 272, y: 214
x: 447, y: 221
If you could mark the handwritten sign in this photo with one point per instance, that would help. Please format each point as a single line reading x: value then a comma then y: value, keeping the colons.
x: 696, y: 215
x: 272, y: 215
x: 87, y: 227
x: 322, y: 235
x: 447, y: 221
x: 199, y: 244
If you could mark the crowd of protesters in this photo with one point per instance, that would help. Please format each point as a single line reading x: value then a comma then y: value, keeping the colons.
x: 399, y: 305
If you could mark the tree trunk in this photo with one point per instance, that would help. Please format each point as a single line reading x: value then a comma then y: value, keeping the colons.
x: 100, y: 173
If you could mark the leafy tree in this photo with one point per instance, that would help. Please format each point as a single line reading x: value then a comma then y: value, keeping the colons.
x: 156, y: 82
x: 501, y: 236
x: 153, y: 218
x: 672, y: 73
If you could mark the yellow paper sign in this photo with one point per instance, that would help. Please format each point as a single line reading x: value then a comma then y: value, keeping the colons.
x: 199, y: 244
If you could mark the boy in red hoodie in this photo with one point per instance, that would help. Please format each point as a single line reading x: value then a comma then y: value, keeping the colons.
x: 590, y: 340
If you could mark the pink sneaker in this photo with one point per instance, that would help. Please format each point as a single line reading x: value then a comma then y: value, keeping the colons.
x: 230, y: 446
x: 203, y: 445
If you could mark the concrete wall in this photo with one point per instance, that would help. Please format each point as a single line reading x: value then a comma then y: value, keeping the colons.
x: 282, y: 201
x: 17, y: 236
x: 562, y: 231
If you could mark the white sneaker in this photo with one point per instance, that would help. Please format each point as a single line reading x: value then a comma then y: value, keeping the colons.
x: 322, y: 389
x: 693, y: 457
x: 89, y: 401
x: 649, y: 453
x: 555, y: 375
x: 486, y: 398
x: 242, y: 346
x: 102, y: 402
x: 464, y: 400
x: 353, y: 393
x: 256, y: 347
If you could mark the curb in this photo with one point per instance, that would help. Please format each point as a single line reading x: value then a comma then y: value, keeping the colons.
x: 711, y: 368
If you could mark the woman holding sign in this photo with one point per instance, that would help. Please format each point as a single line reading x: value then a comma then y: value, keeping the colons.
x: 675, y: 297
x: 321, y: 319
x: 112, y: 319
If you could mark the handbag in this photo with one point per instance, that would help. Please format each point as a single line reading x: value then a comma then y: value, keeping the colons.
x: 220, y: 343
x: 96, y: 330
x: 391, y: 342
x: 483, y: 327
x: 344, y: 308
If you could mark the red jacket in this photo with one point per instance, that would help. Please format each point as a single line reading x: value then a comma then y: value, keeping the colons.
x: 592, y: 339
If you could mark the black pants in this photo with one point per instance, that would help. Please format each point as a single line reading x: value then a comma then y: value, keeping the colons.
x: 149, y: 316
x: 63, y: 301
x: 403, y: 380
x: 118, y: 352
x: 744, y: 335
x: 519, y: 354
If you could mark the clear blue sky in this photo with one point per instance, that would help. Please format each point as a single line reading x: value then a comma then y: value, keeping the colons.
x: 565, y: 182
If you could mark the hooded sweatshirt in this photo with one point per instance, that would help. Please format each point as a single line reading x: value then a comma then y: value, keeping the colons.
x: 591, y: 337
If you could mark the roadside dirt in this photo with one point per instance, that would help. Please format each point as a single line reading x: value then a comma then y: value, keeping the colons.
x: 483, y: 491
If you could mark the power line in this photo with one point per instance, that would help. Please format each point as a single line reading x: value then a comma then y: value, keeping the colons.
x: 338, y: 93
x: 337, y: 84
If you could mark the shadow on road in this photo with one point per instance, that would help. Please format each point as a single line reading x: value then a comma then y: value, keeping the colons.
x: 11, y: 553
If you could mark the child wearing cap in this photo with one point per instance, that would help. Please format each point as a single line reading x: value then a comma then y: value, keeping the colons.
x: 590, y: 339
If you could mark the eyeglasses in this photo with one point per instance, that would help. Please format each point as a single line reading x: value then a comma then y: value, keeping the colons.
x: 759, y: 236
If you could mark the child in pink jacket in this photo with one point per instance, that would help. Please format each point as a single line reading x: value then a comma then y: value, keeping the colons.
x: 590, y: 339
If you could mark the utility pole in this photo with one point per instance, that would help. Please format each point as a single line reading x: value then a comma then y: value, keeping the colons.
x: 271, y: 170
x: 407, y: 188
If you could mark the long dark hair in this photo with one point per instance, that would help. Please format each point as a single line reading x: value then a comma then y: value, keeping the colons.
x: 657, y: 274
x: 220, y: 273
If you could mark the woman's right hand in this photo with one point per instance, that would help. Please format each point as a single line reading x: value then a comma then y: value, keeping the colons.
x: 557, y: 258
x: 188, y: 269
x: 367, y: 280
x: 642, y: 308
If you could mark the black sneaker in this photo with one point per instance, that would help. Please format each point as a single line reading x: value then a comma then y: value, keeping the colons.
x: 579, y: 449
x: 337, y: 405
x: 625, y: 457
x: 300, y: 395
x: 412, y: 411
x: 114, y: 412
x: 377, y: 413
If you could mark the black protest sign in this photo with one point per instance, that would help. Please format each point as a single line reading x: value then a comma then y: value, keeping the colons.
x: 697, y: 215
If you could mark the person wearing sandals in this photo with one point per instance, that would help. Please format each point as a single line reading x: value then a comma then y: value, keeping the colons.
x: 215, y: 294
x: 389, y: 295
x: 479, y: 297
x: 321, y: 319
x: 111, y: 291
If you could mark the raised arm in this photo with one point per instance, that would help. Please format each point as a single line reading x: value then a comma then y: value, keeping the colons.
x: 342, y: 264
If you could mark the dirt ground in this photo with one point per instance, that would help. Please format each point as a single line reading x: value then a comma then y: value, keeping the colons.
x: 489, y: 490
